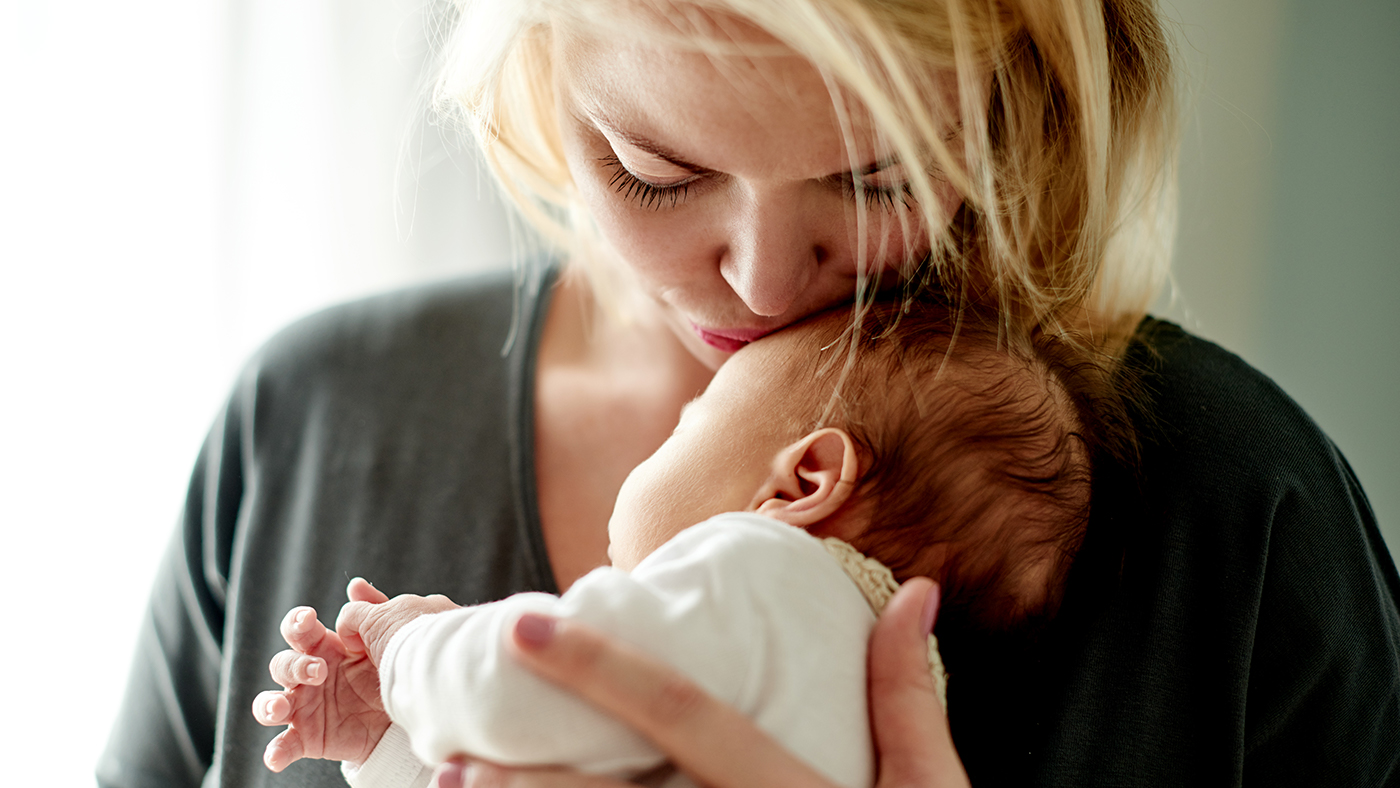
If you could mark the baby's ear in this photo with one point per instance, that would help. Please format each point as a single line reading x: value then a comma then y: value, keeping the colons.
x: 811, y: 479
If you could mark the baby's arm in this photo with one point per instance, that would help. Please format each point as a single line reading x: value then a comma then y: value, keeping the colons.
x: 754, y: 612
x: 452, y: 683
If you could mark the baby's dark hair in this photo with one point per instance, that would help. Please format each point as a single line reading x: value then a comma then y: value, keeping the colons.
x: 977, y: 450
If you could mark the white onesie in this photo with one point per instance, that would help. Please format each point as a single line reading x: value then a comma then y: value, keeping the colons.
x: 760, y: 614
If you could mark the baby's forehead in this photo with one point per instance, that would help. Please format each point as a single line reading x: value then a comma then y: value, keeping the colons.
x: 789, y: 352
x: 780, y: 369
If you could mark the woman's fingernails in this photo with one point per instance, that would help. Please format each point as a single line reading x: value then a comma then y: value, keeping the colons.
x: 930, y: 612
x: 313, y: 670
x: 301, y: 618
x: 451, y: 775
x: 534, y: 630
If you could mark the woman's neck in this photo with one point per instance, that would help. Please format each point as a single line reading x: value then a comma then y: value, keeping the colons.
x: 608, y: 392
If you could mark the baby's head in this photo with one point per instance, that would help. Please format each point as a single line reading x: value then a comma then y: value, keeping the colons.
x: 944, y: 453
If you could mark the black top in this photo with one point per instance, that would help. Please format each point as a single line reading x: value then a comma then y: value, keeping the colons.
x: 1230, y: 620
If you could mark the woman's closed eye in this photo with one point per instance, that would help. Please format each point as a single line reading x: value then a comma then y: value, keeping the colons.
x: 882, y: 185
x: 645, y: 193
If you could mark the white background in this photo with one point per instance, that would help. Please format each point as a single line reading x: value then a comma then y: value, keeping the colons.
x: 178, y: 178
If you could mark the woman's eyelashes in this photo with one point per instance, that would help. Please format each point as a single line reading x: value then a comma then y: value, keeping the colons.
x: 884, y: 185
x: 883, y: 196
x: 644, y: 193
x: 876, y: 189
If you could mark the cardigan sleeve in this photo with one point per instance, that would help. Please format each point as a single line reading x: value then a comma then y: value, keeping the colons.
x: 164, y: 732
x: 1324, y: 687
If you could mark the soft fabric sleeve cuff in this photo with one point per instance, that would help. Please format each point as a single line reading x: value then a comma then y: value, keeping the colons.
x: 391, y: 765
x: 391, y: 653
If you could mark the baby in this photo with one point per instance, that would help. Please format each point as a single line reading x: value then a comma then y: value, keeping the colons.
x: 929, y: 449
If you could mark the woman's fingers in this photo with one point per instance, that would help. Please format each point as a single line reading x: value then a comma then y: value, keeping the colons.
x: 284, y: 750
x: 292, y: 669
x: 708, y: 740
x: 910, y: 726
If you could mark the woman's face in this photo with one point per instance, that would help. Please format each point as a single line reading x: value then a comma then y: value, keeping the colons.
x: 726, y: 184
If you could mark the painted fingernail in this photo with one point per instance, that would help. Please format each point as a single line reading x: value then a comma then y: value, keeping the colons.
x: 930, y: 612
x: 451, y: 775
x: 534, y: 630
x: 313, y: 670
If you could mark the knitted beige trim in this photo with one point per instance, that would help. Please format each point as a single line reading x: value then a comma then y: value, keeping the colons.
x: 876, y: 582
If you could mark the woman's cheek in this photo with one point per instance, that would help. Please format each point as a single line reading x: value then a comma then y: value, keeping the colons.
x: 665, y: 248
x: 889, y: 243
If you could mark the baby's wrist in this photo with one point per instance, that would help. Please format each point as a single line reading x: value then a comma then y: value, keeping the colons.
x: 376, y: 733
x: 390, y: 762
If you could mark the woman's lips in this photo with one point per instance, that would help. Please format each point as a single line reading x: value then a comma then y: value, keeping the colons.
x: 729, y: 339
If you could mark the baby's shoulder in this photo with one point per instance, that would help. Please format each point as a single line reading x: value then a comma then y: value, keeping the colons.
x: 745, y: 554
x: 741, y: 538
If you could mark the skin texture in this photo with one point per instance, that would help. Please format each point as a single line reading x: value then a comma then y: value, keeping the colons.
x: 763, y: 235
x: 738, y: 448
x: 724, y: 184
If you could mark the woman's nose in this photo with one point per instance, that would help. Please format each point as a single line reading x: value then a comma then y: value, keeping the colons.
x: 772, y: 256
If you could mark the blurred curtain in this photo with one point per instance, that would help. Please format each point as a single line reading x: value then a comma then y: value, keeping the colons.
x: 337, y: 179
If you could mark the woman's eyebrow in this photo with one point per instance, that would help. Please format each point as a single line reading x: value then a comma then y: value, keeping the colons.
x: 873, y: 167
x: 649, y: 146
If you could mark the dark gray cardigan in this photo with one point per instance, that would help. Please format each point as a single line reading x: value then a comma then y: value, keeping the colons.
x: 1231, y: 619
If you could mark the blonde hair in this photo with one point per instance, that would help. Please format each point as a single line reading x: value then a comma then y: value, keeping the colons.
x: 1068, y: 119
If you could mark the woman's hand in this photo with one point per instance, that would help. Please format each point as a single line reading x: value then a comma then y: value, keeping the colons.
x: 712, y: 742
x: 912, y: 738
x: 330, y: 701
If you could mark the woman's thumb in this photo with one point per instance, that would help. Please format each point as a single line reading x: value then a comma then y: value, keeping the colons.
x: 910, y: 726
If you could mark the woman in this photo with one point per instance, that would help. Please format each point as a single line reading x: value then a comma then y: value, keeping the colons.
x: 712, y: 172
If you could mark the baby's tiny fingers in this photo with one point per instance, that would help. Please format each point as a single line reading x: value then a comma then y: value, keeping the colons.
x: 360, y: 590
x: 271, y: 708
x: 293, y: 668
x: 302, y: 630
x: 284, y: 750
x: 347, y: 624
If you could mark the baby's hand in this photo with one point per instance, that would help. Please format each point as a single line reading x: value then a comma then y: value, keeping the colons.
x: 368, y: 627
x: 331, y: 704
